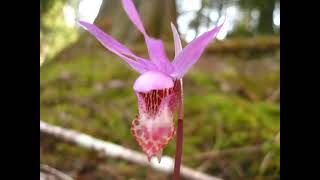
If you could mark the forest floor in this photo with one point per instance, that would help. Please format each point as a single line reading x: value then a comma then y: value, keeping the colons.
x: 232, y: 115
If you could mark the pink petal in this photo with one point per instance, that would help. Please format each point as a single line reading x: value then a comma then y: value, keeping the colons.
x: 153, y: 128
x: 152, y: 80
x: 141, y: 65
x: 148, y: 64
x: 158, y: 55
x: 192, y: 52
x: 177, y: 41
x: 133, y: 15
x: 155, y: 46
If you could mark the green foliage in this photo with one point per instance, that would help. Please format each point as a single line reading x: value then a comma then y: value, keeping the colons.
x: 266, y: 9
x: 54, y: 33
x: 252, y: 4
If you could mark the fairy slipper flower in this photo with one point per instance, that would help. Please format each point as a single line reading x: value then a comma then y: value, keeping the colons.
x: 158, y: 88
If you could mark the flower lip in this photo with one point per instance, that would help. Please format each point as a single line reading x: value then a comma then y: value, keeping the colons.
x: 152, y: 80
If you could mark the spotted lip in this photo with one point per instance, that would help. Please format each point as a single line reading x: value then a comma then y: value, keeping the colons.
x: 154, y: 127
x: 152, y: 140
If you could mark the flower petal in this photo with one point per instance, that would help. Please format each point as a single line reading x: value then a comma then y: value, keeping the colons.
x: 133, y: 15
x: 153, y: 128
x: 192, y: 52
x: 153, y: 133
x: 155, y: 46
x: 177, y: 41
x: 158, y: 55
x: 141, y: 65
x: 152, y: 80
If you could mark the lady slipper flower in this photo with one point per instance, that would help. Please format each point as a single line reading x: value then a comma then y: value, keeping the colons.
x: 159, y: 87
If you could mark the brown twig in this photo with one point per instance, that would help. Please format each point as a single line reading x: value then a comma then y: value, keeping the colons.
x: 117, y: 151
x: 208, y: 157
x: 218, y: 153
x: 268, y: 157
x: 274, y: 96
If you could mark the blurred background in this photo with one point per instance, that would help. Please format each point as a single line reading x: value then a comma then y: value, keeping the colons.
x: 232, y: 94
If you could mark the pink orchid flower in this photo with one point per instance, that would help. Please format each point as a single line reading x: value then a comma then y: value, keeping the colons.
x: 159, y: 87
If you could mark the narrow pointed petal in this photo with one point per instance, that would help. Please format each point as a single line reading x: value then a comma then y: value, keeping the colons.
x: 117, y: 48
x: 148, y: 64
x: 192, y: 52
x: 133, y: 15
x: 158, y: 55
x: 177, y: 41
x: 155, y: 46
x: 101, y: 36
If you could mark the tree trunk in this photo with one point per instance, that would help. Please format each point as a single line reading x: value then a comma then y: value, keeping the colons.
x: 265, y: 24
x: 155, y: 14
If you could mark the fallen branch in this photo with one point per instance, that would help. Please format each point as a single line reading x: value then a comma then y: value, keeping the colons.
x: 117, y: 151
x: 43, y: 54
x: 49, y: 173
x: 229, y: 45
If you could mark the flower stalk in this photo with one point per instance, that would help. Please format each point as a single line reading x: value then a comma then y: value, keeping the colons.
x: 179, y: 140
